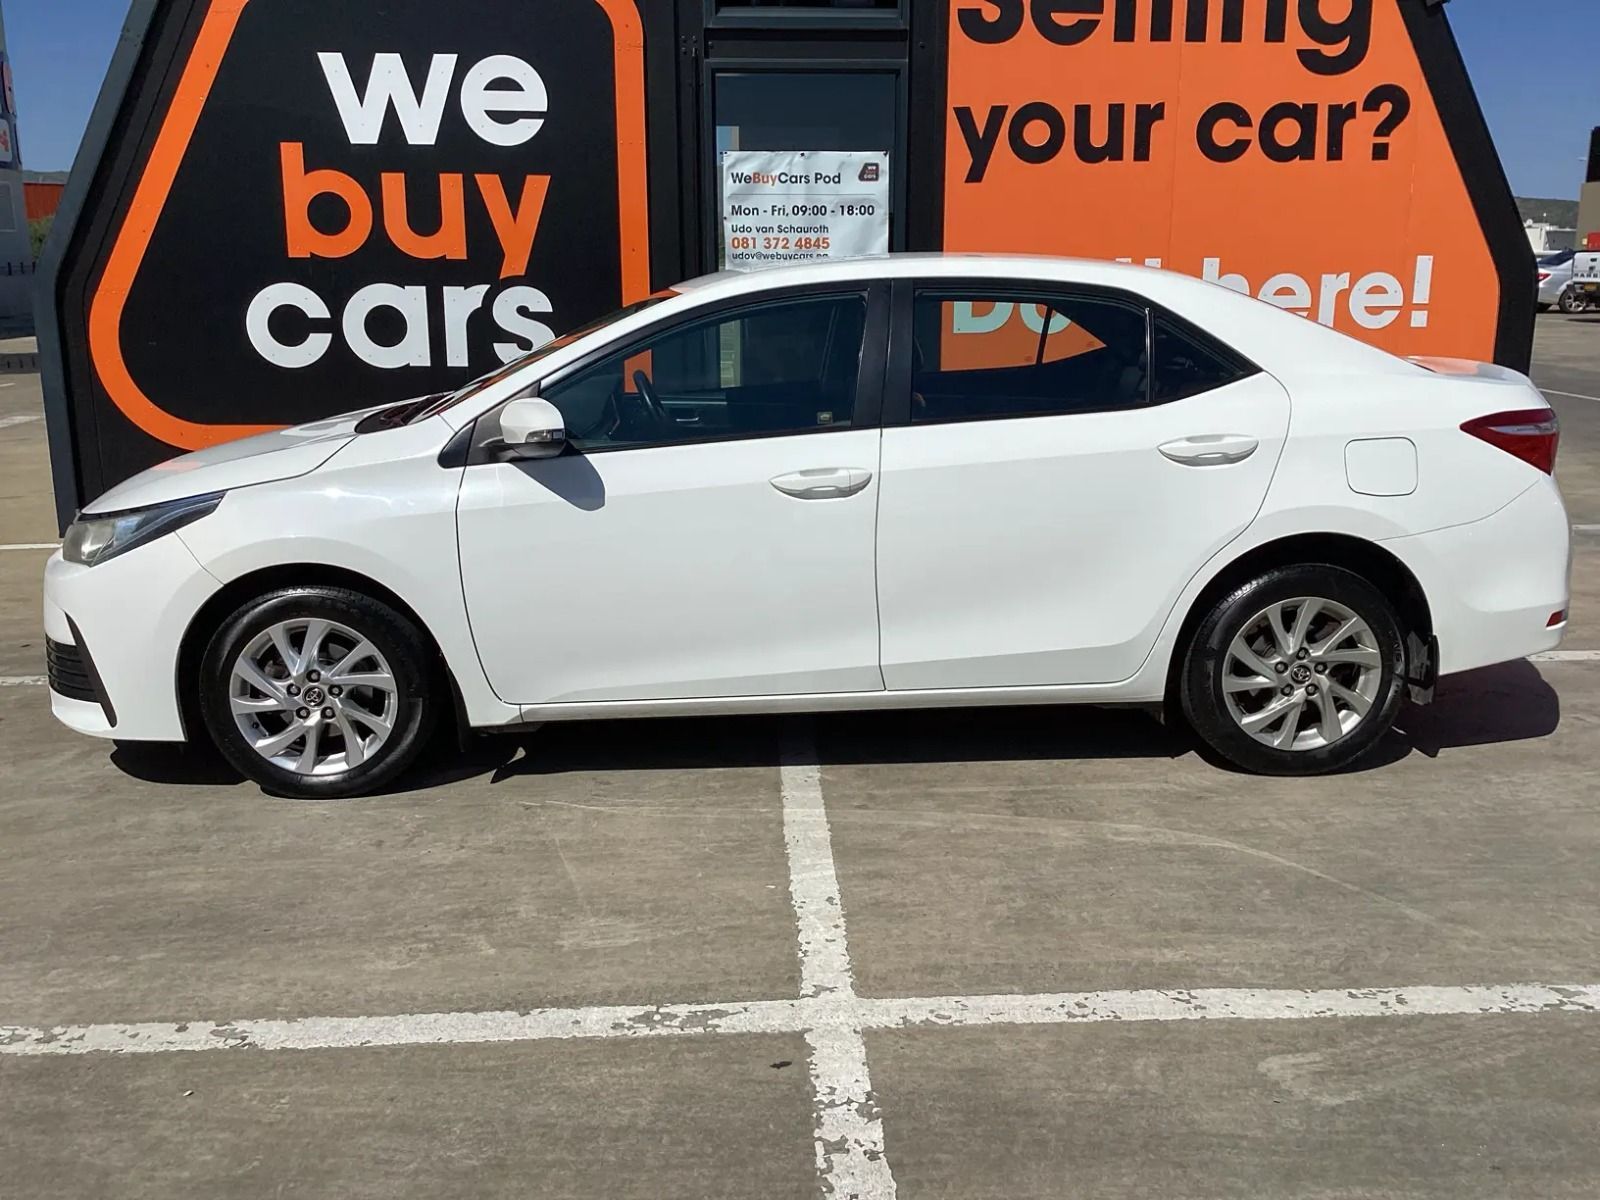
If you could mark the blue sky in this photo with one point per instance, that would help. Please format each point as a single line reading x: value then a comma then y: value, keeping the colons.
x: 1531, y: 60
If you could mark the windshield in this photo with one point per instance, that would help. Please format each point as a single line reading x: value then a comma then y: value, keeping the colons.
x: 451, y: 399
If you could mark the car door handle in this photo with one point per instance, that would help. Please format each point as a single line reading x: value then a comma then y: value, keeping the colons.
x: 823, y: 483
x: 1211, y: 449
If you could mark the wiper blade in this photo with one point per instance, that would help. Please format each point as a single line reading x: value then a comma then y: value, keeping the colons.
x: 396, y: 414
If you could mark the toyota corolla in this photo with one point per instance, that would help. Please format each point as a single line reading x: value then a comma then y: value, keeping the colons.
x: 891, y: 483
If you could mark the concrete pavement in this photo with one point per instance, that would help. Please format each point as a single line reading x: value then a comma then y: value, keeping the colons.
x: 799, y: 880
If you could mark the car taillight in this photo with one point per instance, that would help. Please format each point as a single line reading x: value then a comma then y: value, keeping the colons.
x: 1529, y: 433
x: 1543, y: 275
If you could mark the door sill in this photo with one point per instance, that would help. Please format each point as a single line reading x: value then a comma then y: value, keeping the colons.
x: 1129, y: 692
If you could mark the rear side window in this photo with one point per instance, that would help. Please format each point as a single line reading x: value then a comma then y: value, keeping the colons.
x: 1186, y: 363
x: 986, y: 355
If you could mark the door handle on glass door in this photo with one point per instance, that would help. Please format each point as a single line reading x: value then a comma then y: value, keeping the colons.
x: 1211, y: 449
x: 823, y: 483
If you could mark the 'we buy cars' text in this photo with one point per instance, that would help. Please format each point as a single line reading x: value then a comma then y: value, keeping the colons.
x: 504, y: 102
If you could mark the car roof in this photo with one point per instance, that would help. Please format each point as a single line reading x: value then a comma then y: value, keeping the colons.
x: 923, y: 265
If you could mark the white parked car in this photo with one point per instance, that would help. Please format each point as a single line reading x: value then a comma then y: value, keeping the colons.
x: 1555, y: 283
x: 903, y: 482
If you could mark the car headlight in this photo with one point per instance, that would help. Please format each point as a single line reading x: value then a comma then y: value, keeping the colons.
x: 94, y: 538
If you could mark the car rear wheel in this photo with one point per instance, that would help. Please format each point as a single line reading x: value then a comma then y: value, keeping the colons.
x: 1298, y: 672
x: 318, y: 692
x: 1572, y: 303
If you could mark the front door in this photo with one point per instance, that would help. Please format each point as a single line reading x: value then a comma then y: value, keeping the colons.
x: 709, y: 531
x: 1060, y: 469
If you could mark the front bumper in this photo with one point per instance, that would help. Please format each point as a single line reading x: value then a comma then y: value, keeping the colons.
x: 117, y: 629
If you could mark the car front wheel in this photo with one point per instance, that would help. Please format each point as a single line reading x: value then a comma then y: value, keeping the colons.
x: 1572, y: 303
x: 1298, y: 672
x: 318, y: 692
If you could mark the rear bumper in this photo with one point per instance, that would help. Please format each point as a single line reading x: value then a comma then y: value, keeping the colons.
x: 116, y: 630
x: 1494, y: 584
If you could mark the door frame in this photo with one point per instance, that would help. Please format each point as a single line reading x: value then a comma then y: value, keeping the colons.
x: 785, y: 60
x: 735, y: 16
x: 897, y: 376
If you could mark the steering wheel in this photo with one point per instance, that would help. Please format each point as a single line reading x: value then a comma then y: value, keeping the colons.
x: 648, y: 396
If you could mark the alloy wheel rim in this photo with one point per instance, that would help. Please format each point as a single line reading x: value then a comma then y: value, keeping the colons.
x: 1302, y: 674
x: 313, y: 697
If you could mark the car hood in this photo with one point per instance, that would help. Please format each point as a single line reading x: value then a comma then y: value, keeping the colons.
x: 264, y: 458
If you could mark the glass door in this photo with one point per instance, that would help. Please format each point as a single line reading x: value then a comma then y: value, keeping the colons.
x: 828, y: 141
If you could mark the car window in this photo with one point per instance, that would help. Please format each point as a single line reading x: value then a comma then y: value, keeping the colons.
x: 1185, y: 365
x: 484, y: 382
x: 783, y: 367
x: 983, y: 355
x: 1558, y: 259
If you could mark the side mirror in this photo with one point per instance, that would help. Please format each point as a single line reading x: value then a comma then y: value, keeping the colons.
x: 532, y: 428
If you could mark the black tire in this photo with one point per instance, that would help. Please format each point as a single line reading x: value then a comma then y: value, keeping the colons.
x: 1543, y: 308
x: 1571, y: 303
x: 417, y: 694
x: 1207, y: 661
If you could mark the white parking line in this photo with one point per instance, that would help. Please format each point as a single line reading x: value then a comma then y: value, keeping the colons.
x: 20, y: 419
x: 848, y: 1131
x: 22, y: 681
x: 813, y: 883
x: 1234, y: 1004
x: 832, y: 1016
x: 29, y: 545
x: 1557, y: 656
x: 410, y: 1029
x: 1569, y: 395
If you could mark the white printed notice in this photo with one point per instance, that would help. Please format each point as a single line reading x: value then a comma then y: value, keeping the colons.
x: 792, y: 206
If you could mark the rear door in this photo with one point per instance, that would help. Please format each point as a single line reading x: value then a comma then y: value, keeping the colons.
x: 1057, y: 464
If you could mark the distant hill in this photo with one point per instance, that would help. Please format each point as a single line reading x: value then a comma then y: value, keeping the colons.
x: 1563, y: 214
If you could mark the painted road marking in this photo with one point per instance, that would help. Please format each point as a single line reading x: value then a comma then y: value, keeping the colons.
x: 30, y: 546
x: 847, y: 1129
x: 413, y: 1029
x: 22, y: 681
x: 1570, y: 395
x: 1236, y: 1004
x: 813, y: 882
x: 1557, y: 656
x: 804, y: 1016
x: 20, y: 419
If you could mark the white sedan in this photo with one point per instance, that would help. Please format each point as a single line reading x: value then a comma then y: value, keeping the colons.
x: 1556, y: 273
x: 915, y: 481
